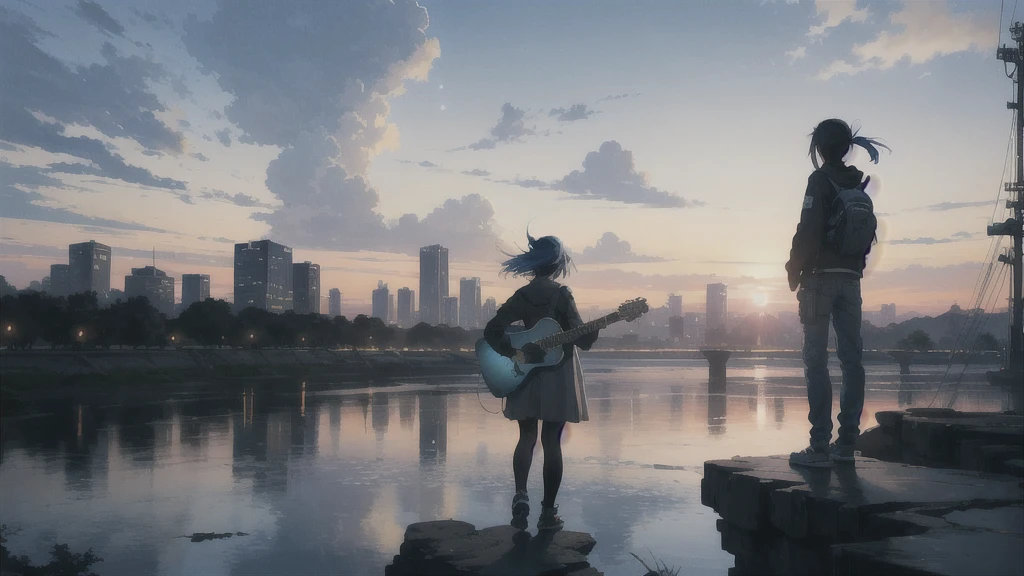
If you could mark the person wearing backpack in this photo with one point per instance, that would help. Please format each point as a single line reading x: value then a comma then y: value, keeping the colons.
x: 830, y: 248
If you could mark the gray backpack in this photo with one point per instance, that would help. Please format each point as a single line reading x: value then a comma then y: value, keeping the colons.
x: 852, y: 223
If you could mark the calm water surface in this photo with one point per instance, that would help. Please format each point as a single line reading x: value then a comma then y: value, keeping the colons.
x: 327, y: 482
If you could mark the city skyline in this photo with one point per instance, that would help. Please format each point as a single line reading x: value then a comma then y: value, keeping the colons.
x: 466, y: 158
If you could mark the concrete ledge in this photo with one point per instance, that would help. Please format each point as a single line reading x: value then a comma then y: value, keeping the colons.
x: 452, y: 548
x: 781, y: 519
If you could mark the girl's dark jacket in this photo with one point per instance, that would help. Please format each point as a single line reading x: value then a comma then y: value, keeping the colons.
x: 541, y: 298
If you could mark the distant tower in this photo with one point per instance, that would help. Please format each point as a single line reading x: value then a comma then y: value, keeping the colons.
x: 334, y: 303
x: 381, y: 302
x: 450, y: 311
x: 406, y: 305
x: 717, y: 307
x: 433, y: 282
x: 489, y: 309
x: 59, y: 277
x: 263, y: 276
x: 306, y: 288
x: 155, y: 285
x: 888, y: 314
x: 88, y: 268
x: 469, y: 303
x: 675, y: 305
x: 194, y: 288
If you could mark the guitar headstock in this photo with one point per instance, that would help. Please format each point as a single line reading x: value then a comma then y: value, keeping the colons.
x: 632, y: 309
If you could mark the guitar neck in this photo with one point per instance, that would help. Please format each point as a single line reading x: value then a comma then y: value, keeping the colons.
x: 569, y: 336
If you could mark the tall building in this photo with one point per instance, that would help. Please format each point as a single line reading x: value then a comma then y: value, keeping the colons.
x: 334, y: 303
x: 433, y: 282
x: 89, y: 268
x: 392, y: 311
x: 381, y: 302
x: 59, y: 278
x: 675, y: 305
x: 406, y: 305
x: 888, y: 311
x: 676, y: 329
x: 263, y: 276
x: 488, y: 310
x: 449, y: 311
x: 469, y: 303
x: 306, y: 288
x: 155, y: 285
x: 717, y: 306
x: 194, y: 288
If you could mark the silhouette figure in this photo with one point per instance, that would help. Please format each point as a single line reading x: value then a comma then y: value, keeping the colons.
x: 829, y: 254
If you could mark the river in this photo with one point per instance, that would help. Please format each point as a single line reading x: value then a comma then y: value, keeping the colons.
x: 326, y: 482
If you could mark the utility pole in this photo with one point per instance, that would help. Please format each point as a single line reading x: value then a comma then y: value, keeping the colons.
x: 1014, y: 373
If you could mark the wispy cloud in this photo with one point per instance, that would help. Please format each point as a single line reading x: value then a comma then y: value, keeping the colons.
x: 928, y: 241
x: 946, y: 206
x: 572, y: 113
x: 477, y: 172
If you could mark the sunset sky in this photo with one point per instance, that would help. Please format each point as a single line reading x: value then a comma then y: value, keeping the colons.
x: 664, y: 142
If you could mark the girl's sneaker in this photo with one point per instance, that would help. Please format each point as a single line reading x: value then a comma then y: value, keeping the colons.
x: 812, y: 457
x: 520, y: 510
x: 549, y: 520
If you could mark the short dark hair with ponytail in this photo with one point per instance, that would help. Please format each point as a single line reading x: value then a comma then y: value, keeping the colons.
x: 833, y: 138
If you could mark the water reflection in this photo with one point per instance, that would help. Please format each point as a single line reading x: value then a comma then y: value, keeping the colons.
x: 433, y: 427
x: 322, y: 480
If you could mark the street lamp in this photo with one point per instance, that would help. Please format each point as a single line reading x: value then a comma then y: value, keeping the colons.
x: 81, y: 333
x: 10, y: 328
x: 251, y: 336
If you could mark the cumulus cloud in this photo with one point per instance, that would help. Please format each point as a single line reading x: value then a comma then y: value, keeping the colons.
x: 919, y: 32
x: 610, y: 249
x: 42, y: 96
x: 610, y: 174
x: 94, y: 14
x: 477, y: 172
x: 219, y: 239
x: 201, y: 157
x: 835, y: 12
x: 20, y: 199
x: 511, y: 127
x: 326, y: 104
x: 572, y: 113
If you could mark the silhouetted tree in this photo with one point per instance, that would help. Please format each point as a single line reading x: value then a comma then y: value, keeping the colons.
x: 987, y: 342
x: 917, y: 340
x: 208, y: 323
x: 133, y: 322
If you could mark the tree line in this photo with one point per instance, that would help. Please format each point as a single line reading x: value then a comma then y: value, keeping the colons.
x: 78, y: 321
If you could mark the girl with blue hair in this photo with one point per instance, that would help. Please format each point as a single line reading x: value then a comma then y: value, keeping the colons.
x: 553, y: 395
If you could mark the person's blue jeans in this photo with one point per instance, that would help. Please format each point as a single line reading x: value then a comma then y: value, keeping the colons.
x: 835, y: 297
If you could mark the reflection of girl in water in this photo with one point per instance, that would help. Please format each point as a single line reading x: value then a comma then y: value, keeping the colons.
x: 554, y: 395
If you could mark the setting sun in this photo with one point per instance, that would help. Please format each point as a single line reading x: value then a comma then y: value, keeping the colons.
x: 760, y: 299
